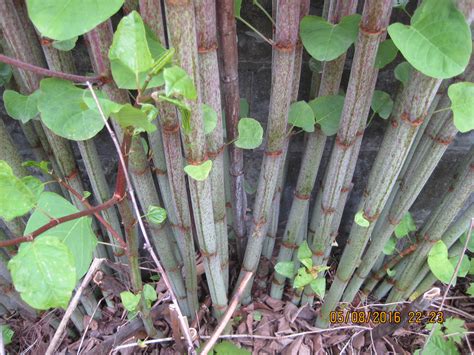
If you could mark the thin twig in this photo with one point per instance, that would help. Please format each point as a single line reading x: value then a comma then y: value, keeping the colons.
x: 183, y: 323
x: 72, y: 306
x: 228, y: 313
x: 47, y: 72
x: 54, y: 222
x: 88, y: 325
x: 248, y: 336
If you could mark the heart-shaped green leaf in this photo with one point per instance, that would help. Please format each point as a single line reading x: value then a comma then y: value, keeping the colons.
x: 210, y: 118
x: 130, y: 301
x: 199, y: 172
x: 17, y: 196
x: 361, y: 220
x: 149, y: 293
x: 438, y: 41
x: 43, y: 273
x: 406, y: 225
x: 302, y: 278
x: 129, y: 116
x: 77, y: 235
x: 156, y: 214
x: 21, y: 107
x: 301, y: 115
x: 386, y: 53
x: 62, y: 20
x: 402, y: 72
x: 319, y: 286
x: 65, y: 45
x: 178, y: 82
x: 439, y: 263
x: 133, y: 53
x: 250, y: 133
x: 462, y: 105
x: 382, y: 104
x: 64, y: 111
x: 285, y: 268
x: 327, y: 111
x: 325, y: 41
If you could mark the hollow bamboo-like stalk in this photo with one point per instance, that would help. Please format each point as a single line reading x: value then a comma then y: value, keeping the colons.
x: 330, y: 81
x: 182, y: 33
x: 99, y: 41
x: 211, y: 95
x: 361, y: 85
x: 131, y: 232
x: 452, y: 202
x: 438, y: 134
x: 282, y: 77
x: 269, y: 243
x: 227, y: 51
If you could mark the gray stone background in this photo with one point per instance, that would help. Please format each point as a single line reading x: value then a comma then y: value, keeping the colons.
x: 255, y: 80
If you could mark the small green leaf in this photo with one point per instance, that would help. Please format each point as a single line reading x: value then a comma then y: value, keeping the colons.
x: 250, y: 133
x: 382, y: 104
x: 301, y: 115
x: 149, y: 293
x: 7, y: 334
x: 130, y: 301
x: 65, y: 112
x: 5, y: 73
x: 237, y: 7
x: 456, y: 327
x: 470, y: 289
x: 361, y: 220
x: 86, y: 194
x: 285, y: 268
x: 129, y: 116
x: 386, y: 53
x: 257, y: 316
x: 210, y: 118
x: 462, y: 105
x: 303, y: 278
x: 402, y: 72
x: 389, y: 247
x: 228, y: 348
x: 438, y: 345
x: 77, y: 235
x: 61, y: 21
x: 406, y: 225
x: 319, y: 286
x: 325, y: 41
x: 43, y: 273
x: 156, y: 215
x: 244, y: 108
x: 439, y: 263
x: 327, y: 111
x: 304, y: 251
x: 17, y: 196
x: 133, y: 53
x: 308, y: 262
x: 438, y: 40
x: 65, y: 45
x: 178, y: 82
x: 391, y: 273
x: 43, y: 166
x: 199, y: 172
x: 21, y: 107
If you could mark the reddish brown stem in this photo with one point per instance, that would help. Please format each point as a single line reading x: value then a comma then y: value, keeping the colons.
x: 47, y: 72
x: 54, y: 222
